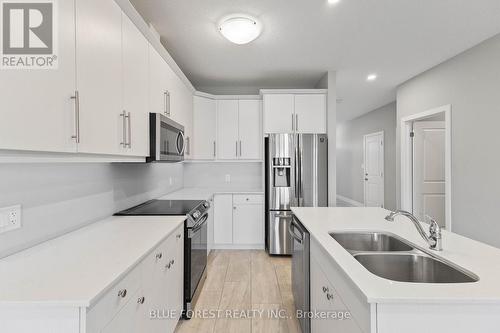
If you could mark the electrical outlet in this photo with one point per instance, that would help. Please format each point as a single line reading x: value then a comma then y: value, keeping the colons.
x: 10, y: 218
x: 228, y: 178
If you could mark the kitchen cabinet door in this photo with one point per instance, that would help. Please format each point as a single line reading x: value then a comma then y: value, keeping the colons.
x: 278, y: 113
x: 227, y: 130
x: 324, y: 298
x: 37, y: 111
x: 204, y: 128
x: 223, y: 219
x: 310, y: 113
x: 135, y: 89
x: 128, y: 319
x: 158, y: 82
x: 248, y: 224
x: 99, y: 75
x: 250, y: 130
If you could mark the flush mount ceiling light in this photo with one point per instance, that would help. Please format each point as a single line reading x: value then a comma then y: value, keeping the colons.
x: 240, y: 29
x: 371, y: 77
x: 333, y: 2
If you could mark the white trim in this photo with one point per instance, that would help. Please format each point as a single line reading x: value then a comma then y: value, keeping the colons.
x: 226, y: 97
x: 383, y: 161
x: 406, y: 158
x: 349, y: 201
x: 22, y: 156
x: 293, y: 91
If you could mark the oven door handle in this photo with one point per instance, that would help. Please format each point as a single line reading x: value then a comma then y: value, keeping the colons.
x: 293, y: 234
x: 200, y: 224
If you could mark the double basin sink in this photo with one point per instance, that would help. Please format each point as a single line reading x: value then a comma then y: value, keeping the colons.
x: 394, y: 258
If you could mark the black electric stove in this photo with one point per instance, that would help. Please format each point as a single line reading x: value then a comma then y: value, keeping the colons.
x: 195, y: 240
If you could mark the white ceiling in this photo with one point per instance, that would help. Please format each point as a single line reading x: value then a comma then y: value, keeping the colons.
x: 302, y: 39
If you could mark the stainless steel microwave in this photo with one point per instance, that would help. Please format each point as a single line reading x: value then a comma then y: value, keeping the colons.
x: 166, y: 139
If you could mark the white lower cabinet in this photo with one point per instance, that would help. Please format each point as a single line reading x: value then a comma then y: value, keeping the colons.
x: 238, y: 221
x: 146, y: 297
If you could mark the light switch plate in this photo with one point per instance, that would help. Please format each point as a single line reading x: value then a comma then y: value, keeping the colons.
x: 10, y: 218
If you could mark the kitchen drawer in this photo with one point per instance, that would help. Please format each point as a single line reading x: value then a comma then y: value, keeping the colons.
x: 251, y: 199
x: 111, y: 302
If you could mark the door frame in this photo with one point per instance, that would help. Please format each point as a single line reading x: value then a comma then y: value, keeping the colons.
x: 407, y: 159
x: 382, y: 133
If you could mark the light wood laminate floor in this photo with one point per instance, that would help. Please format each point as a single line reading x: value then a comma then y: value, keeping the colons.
x: 244, y: 282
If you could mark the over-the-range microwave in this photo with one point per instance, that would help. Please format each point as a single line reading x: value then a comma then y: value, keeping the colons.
x: 166, y: 139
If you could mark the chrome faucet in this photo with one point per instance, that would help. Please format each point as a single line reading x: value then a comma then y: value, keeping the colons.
x: 433, y: 239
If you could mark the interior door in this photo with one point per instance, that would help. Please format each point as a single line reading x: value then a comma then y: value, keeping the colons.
x: 135, y: 88
x: 429, y: 170
x: 310, y: 113
x: 36, y: 106
x: 99, y: 75
x: 227, y: 129
x: 374, y: 169
x: 204, y: 128
x: 250, y: 132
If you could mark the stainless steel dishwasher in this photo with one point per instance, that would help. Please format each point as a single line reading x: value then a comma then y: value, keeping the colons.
x: 300, y: 271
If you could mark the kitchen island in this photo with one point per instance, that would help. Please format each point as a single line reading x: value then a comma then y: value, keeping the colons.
x: 375, y: 304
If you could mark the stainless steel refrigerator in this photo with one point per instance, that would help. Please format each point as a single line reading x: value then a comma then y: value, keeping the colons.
x: 296, y: 176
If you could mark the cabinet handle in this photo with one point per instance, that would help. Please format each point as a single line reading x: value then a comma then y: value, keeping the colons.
x: 214, y: 150
x: 76, y: 98
x: 167, y: 102
x: 159, y: 256
x: 329, y: 297
x: 129, y: 121
x: 293, y: 124
x: 172, y: 261
x: 234, y: 207
x: 178, y: 236
x: 297, y: 122
x: 141, y: 300
x: 167, y: 266
x: 122, y: 293
x: 240, y: 149
x: 236, y: 148
x: 123, y: 115
x: 325, y: 289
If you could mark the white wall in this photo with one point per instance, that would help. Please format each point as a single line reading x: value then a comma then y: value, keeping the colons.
x: 469, y: 82
x: 57, y: 198
x: 213, y: 175
x: 329, y: 81
x: 350, y: 135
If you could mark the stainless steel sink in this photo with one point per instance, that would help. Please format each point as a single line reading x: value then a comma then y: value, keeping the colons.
x: 413, y: 267
x: 370, y: 242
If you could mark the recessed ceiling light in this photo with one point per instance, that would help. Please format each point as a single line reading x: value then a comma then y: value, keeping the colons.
x: 333, y: 2
x: 371, y: 77
x: 240, y: 29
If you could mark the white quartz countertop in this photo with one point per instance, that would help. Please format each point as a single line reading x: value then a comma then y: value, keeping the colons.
x: 202, y: 193
x: 77, y: 268
x: 481, y: 259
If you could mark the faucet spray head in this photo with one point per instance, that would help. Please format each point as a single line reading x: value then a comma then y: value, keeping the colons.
x: 390, y: 217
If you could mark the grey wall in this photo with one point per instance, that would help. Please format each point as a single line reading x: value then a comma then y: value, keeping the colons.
x: 57, y: 198
x: 350, y: 153
x: 212, y: 175
x: 469, y: 82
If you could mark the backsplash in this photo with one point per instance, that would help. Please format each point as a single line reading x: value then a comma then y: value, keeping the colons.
x: 214, y: 175
x: 58, y: 198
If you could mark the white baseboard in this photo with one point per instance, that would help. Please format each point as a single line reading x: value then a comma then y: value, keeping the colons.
x: 349, y: 201
x: 238, y: 247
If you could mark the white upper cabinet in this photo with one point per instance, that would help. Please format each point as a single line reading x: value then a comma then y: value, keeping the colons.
x: 310, y: 113
x: 295, y: 112
x: 204, y: 128
x: 239, y: 135
x: 159, y: 96
x: 99, y: 75
x: 36, y: 109
x: 279, y: 113
x: 227, y: 129
x: 250, y: 129
x: 135, y: 122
